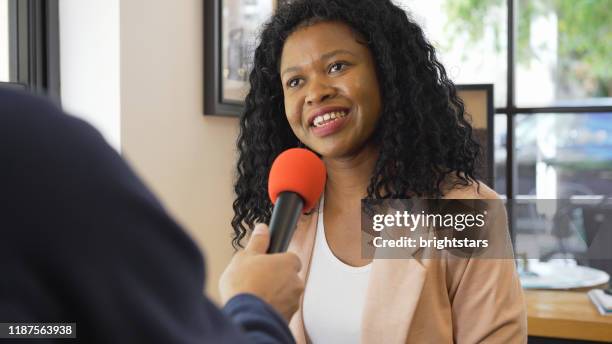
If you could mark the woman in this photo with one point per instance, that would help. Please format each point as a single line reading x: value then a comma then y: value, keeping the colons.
x: 356, y: 82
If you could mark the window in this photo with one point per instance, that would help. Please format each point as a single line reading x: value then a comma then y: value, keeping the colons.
x: 552, y: 64
x: 4, y: 41
x: 29, y: 46
x: 472, y: 51
x: 549, y: 61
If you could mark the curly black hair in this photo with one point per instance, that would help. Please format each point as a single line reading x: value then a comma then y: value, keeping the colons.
x: 423, y: 134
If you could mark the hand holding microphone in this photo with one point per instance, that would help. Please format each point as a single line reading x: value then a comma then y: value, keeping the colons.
x: 271, y: 277
x: 296, y: 181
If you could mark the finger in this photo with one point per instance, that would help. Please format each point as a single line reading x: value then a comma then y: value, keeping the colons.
x: 260, y: 239
x: 295, y: 260
x: 299, y: 285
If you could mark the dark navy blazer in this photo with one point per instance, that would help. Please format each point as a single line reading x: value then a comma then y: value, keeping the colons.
x: 83, y: 240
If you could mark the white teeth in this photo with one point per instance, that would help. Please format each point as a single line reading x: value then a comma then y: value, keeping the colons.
x: 328, y: 117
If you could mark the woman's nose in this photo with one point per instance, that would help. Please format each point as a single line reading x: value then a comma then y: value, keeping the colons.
x: 319, y: 91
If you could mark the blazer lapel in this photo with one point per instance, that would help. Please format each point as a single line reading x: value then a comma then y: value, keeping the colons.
x: 393, y: 294
x: 302, y: 244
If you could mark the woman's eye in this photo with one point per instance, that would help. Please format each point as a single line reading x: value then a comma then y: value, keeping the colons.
x: 336, y: 67
x: 293, y: 82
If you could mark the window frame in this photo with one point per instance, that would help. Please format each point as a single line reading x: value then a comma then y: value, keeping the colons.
x: 511, y: 110
x: 34, y: 49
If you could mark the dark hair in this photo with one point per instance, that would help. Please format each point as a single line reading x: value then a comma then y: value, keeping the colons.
x: 422, y: 133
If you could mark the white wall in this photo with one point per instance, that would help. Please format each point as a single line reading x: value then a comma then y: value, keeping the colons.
x: 4, y: 42
x: 186, y: 157
x: 133, y: 68
x: 89, y: 55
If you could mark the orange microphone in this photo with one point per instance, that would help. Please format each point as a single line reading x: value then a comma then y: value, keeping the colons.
x: 296, y: 181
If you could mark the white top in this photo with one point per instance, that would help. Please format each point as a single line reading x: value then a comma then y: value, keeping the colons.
x: 335, y: 294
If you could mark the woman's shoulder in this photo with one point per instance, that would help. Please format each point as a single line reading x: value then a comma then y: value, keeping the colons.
x: 454, y: 188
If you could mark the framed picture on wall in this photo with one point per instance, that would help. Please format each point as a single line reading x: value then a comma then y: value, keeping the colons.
x: 231, y: 29
x: 478, y: 101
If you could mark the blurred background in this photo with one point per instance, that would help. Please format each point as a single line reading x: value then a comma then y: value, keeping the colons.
x: 552, y: 81
x: 134, y: 69
x: 560, y: 70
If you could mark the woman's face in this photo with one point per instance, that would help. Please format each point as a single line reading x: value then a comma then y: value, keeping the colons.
x: 332, y: 97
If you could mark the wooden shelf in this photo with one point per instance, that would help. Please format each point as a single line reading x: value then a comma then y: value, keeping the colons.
x: 566, y: 314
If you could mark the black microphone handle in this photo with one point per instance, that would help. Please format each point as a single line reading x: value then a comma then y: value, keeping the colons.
x: 285, y: 215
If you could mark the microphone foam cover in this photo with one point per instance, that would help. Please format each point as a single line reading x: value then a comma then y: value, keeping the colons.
x: 297, y: 170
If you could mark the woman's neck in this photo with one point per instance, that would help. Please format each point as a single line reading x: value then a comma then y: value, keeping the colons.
x: 348, y: 177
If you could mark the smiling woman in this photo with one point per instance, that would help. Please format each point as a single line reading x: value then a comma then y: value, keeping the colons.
x: 357, y: 82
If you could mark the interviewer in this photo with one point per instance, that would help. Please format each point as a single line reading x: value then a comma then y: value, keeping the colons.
x: 83, y: 240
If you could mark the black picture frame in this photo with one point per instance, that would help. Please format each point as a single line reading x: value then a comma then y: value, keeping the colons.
x: 486, y: 137
x: 214, y: 102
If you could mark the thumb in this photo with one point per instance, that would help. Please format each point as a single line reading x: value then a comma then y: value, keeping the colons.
x: 260, y: 239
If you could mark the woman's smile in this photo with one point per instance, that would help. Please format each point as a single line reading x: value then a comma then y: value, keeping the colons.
x: 328, y: 120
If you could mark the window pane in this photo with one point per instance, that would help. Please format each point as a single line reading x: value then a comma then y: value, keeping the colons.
x: 470, y: 39
x: 556, y: 238
x: 564, y: 155
x: 563, y: 53
x: 4, y: 41
x: 567, y: 160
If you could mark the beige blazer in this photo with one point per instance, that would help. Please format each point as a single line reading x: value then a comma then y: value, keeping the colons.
x: 430, y: 300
